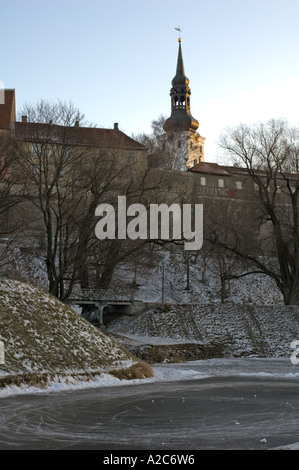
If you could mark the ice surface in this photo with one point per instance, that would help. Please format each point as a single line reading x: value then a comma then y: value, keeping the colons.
x: 195, y: 370
x: 247, y: 403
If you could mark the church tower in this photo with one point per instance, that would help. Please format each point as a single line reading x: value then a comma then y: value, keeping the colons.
x: 181, y: 127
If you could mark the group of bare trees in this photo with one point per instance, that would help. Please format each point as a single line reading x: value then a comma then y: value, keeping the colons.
x: 259, y: 234
x: 9, y: 197
x: 56, y: 189
x: 55, y: 185
x: 266, y: 236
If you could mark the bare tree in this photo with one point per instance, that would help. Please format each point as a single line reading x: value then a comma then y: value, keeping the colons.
x: 163, y: 151
x: 226, y: 267
x: 65, y: 177
x: 269, y: 152
x: 9, y: 197
x: 58, y: 112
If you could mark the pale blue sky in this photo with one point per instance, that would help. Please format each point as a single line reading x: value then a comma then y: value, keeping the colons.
x: 115, y: 59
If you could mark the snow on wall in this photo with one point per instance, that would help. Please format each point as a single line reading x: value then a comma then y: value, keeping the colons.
x: 265, y: 331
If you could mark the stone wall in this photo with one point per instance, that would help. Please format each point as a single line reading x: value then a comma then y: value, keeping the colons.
x: 223, y: 330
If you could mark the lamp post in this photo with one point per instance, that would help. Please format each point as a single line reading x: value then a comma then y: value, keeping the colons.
x: 163, y: 281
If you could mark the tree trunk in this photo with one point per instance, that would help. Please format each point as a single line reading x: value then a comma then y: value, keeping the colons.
x: 291, y: 294
x: 110, y: 263
x: 223, y: 290
x: 84, y: 274
x: 188, y: 271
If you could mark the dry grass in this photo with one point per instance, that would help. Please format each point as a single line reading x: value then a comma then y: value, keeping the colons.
x: 139, y: 370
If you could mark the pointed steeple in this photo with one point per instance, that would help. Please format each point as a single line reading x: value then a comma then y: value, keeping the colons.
x: 181, y: 118
x: 180, y: 77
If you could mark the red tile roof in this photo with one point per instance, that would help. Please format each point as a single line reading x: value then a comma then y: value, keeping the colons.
x: 92, y: 136
x: 210, y: 168
x: 8, y: 110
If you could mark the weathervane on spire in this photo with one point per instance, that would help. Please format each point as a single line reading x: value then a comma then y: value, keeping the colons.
x: 179, y: 30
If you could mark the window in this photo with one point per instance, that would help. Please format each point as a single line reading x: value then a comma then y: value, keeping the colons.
x: 203, y: 181
x: 36, y: 169
x: 220, y: 183
x: 133, y: 156
x: 36, y: 149
x: 256, y: 187
x: 134, y: 175
x: 195, y: 162
x: 68, y: 152
x: 238, y: 184
x: 179, y: 144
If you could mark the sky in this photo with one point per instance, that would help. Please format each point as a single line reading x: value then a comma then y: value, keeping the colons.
x: 115, y: 60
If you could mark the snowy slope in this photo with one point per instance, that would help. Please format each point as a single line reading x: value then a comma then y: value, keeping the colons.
x: 166, y: 279
x: 241, y: 326
x: 238, y: 330
x: 166, y: 272
x: 43, y: 336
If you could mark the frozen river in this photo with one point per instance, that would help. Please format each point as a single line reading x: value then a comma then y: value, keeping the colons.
x: 232, y: 404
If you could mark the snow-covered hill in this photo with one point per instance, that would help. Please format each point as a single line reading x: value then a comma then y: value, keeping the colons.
x: 43, y: 338
x: 211, y: 331
x: 166, y: 280
x: 164, y: 277
x: 195, y: 316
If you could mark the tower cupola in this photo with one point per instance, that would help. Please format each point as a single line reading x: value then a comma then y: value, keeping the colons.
x: 181, y: 118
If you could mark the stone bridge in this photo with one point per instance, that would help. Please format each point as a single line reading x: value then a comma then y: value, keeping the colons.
x: 99, y: 299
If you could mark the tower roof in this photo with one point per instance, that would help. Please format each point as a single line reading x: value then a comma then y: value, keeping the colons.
x: 180, y: 77
x: 181, y: 118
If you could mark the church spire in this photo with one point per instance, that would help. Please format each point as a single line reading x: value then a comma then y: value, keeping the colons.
x: 180, y: 71
x: 181, y: 118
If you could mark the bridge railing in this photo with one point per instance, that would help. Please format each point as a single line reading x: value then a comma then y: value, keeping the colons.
x: 100, y: 295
